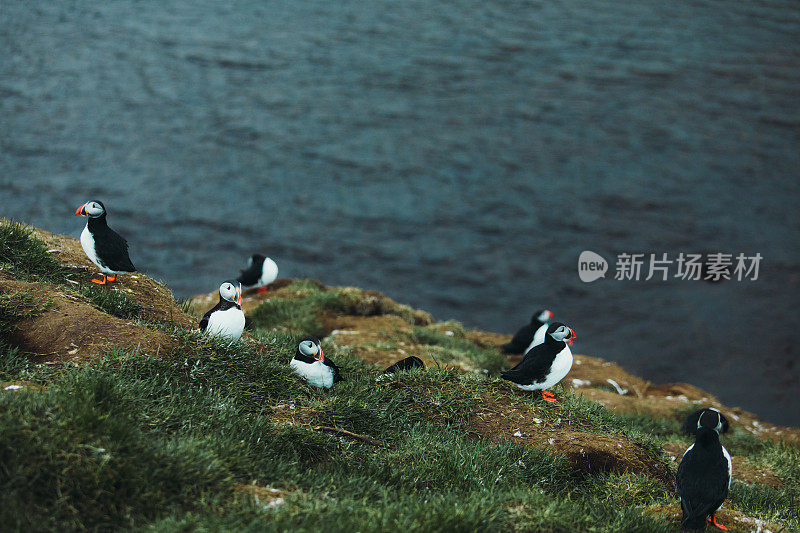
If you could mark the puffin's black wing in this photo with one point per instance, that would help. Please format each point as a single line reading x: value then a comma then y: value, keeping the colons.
x: 534, y: 367
x: 702, y: 486
x: 520, y: 340
x: 204, y: 320
x: 337, y: 376
x: 249, y: 276
x: 405, y: 364
x: 112, y: 250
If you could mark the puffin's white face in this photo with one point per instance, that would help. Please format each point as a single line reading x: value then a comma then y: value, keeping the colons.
x: 308, y: 348
x: 230, y: 292
x: 545, y: 316
x: 311, y: 349
x: 91, y: 209
x: 563, y: 333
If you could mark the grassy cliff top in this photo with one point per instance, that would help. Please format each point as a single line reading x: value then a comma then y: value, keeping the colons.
x: 116, y: 413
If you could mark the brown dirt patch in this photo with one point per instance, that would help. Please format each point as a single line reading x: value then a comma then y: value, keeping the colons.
x: 73, y: 330
x: 503, y: 416
x: 487, y: 339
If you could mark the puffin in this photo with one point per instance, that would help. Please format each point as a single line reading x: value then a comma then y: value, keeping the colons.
x: 260, y: 272
x: 524, y: 338
x: 546, y: 364
x: 704, y: 474
x: 690, y: 424
x: 226, y: 319
x: 310, y: 363
x: 103, y: 246
x: 408, y: 363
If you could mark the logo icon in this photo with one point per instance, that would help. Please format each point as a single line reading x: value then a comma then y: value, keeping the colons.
x: 591, y: 266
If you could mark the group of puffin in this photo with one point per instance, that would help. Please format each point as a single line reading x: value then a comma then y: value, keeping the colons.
x: 704, y: 473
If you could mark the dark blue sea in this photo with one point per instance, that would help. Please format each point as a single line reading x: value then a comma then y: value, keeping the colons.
x: 456, y: 155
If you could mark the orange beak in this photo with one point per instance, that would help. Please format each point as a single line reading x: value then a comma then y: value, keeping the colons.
x: 549, y: 315
x: 81, y: 211
x: 239, y: 296
x: 321, y: 355
x: 572, y: 337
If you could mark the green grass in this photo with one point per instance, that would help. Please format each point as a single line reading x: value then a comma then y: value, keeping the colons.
x: 114, y: 302
x: 161, y: 443
x: 25, y: 256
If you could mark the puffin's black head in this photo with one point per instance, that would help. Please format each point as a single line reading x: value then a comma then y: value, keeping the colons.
x: 711, y: 419
x: 310, y: 350
x: 542, y: 316
x: 560, y: 332
x: 92, y: 209
x: 232, y: 291
x: 256, y: 259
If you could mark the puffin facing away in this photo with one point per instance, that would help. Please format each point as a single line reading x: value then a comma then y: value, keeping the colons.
x: 103, y: 246
x: 225, y: 319
x: 309, y: 362
x: 523, y: 339
x: 408, y: 363
x: 260, y: 272
x: 704, y: 474
x: 690, y: 424
x: 546, y: 364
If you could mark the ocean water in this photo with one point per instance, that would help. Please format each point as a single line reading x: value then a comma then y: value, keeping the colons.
x: 456, y: 155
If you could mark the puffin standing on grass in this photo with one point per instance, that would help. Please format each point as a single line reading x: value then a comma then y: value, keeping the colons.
x: 260, y: 272
x: 310, y: 363
x: 524, y: 339
x: 704, y: 474
x: 225, y: 319
x: 546, y: 364
x: 103, y: 246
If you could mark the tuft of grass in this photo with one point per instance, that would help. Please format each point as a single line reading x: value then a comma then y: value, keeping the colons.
x: 454, y: 348
x: 114, y: 302
x: 25, y: 256
x: 20, y: 305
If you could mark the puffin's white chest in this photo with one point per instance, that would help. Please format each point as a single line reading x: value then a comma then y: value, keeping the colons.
x: 317, y: 373
x: 87, y: 243
x: 228, y: 323
x: 538, y: 338
x: 269, y: 273
x: 558, y: 371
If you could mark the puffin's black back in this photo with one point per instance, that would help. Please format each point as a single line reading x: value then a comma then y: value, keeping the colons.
x: 524, y: 336
x: 702, y: 479
x: 250, y: 275
x: 110, y: 247
x: 405, y: 364
x: 690, y: 424
x: 536, y: 364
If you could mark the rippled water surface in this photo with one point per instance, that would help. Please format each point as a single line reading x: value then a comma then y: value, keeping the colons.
x: 456, y: 155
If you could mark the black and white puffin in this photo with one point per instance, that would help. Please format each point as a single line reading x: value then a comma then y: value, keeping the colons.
x: 704, y: 474
x: 309, y: 362
x: 690, y: 424
x: 546, y: 364
x: 405, y: 364
x: 225, y: 319
x: 103, y: 246
x: 524, y: 338
x: 260, y: 272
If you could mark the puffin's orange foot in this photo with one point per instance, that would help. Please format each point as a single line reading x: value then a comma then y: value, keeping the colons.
x: 100, y: 281
x: 261, y: 289
x: 548, y: 396
x: 112, y: 277
x: 713, y: 520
